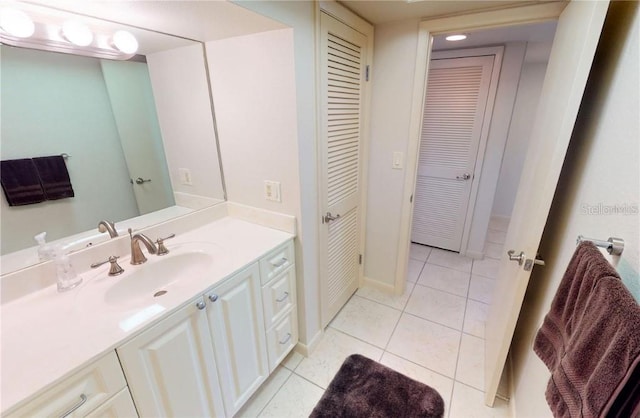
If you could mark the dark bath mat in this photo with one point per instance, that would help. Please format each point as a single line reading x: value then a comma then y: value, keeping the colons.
x: 365, y: 388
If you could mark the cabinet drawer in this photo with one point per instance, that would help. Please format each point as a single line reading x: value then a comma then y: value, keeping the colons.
x: 84, y: 391
x: 121, y: 405
x: 279, y: 296
x: 276, y: 262
x: 282, y: 338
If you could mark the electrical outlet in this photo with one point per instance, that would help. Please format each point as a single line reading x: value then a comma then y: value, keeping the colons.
x: 272, y: 190
x: 185, y: 176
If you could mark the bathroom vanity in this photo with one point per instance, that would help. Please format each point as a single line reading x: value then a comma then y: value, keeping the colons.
x: 192, y: 333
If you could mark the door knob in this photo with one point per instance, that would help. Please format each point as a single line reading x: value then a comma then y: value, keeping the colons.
x: 140, y: 180
x: 465, y: 176
x: 521, y: 258
x: 329, y: 217
x: 513, y: 257
x: 213, y: 297
x: 201, y: 305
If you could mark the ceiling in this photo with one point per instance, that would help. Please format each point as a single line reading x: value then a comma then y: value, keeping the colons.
x: 384, y: 11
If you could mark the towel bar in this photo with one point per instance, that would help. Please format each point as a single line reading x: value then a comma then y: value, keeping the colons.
x: 614, y: 246
x: 65, y: 155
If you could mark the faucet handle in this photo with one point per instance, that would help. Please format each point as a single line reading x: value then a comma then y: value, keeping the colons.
x: 115, y: 268
x: 162, y: 249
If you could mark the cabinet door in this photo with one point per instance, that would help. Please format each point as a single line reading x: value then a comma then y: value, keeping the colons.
x: 237, y: 327
x: 171, y: 367
x: 120, y: 406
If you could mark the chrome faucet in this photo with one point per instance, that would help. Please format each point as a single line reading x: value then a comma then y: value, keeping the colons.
x: 137, y: 256
x: 107, y: 226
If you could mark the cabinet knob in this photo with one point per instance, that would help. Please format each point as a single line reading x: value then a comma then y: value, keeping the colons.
x: 201, y: 305
x: 213, y: 297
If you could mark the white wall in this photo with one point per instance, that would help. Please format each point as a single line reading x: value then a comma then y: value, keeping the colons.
x: 300, y: 16
x: 518, y: 140
x: 601, y: 169
x: 52, y: 104
x: 181, y: 93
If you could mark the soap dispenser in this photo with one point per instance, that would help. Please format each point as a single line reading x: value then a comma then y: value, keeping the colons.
x: 67, y: 276
x: 45, y: 251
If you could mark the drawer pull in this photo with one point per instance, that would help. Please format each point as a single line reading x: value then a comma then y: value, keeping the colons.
x: 283, y: 297
x: 280, y: 262
x: 286, y: 339
x: 83, y: 399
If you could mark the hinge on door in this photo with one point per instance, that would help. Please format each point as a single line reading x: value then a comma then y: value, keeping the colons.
x: 366, y: 73
x: 359, y: 258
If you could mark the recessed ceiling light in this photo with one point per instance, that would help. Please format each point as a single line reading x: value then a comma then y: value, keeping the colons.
x: 457, y: 37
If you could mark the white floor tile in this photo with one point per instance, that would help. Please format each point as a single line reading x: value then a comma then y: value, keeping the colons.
x: 497, y: 237
x: 488, y: 268
x: 499, y: 223
x: 367, y: 320
x: 292, y: 360
x: 443, y: 385
x: 437, y: 306
x: 468, y: 402
x: 414, y: 269
x: 475, y: 317
x: 389, y: 299
x: 333, y: 349
x: 296, y: 398
x: 426, y: 343
x: 449, y: 259
x: 492, y: 250
x: 267, y: 391
x: 419, y: 252
x: 446, y: 279
x: 470, y: 368
x: 481, y: 289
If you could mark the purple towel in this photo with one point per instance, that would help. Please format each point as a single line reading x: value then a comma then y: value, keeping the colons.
x: 54, y: 177
x: 597, y: 376
x: 20, y: 182
x: 586, y: 267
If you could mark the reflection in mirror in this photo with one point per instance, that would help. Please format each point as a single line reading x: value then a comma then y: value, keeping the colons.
x: 121, y: 123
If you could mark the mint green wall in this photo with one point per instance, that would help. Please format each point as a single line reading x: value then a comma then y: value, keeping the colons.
x: 52, y: 104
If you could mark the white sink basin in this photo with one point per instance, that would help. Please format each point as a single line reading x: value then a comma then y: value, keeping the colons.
x: 147, y: 283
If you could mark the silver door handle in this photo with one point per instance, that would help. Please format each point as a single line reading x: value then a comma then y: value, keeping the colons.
x: 519, y: 258
x: 83, y: 399
x: 140, y: 180
x: 329, y: 217
x: 465, y: 176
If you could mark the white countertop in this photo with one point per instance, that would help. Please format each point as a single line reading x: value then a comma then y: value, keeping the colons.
x: 48, y: 335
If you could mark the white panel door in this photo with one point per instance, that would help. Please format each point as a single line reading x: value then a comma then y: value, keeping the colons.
x: 452, y: 125
x: 236, y: 322
x: 574, y: 46
x: 343, y: 62
x: 171, y: 369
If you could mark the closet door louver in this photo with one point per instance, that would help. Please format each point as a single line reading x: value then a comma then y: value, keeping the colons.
x: 342, y: 61
x: 457, y: 93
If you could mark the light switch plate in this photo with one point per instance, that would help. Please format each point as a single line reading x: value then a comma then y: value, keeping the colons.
x: 397, y: 160
x: 185, y: 176
x: 272, y: 190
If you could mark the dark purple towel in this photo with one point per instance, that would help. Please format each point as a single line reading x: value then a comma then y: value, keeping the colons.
x: 586, y: 267
x: 597, y: 376
x: 20, y: 182
x: 54, y: 177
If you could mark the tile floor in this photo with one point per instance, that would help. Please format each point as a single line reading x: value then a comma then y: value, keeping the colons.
x: 432, y: 333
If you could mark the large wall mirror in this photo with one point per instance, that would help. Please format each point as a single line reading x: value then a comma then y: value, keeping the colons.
x: 135, y: 153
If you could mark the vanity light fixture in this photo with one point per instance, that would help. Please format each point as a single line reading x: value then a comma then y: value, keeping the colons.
x: 456, y: 37
x: 16, y: 23
x: 69, y: 36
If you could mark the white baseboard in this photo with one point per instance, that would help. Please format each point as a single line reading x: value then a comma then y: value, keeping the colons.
x: 307, y: 349
x: 384, y: 287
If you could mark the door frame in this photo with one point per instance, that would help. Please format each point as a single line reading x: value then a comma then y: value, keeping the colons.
x: 496, y: 71
x: 358, y: 24
x: 427, y: 30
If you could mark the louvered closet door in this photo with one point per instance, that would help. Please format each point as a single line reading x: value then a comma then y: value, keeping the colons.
x: 343, y: 66
x: 457, y: 93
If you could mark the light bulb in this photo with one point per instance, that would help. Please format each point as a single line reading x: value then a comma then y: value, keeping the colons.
x: 77, y: 33
x: 16, y: 23
x: 125, y: 42
x: 459, y: 37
